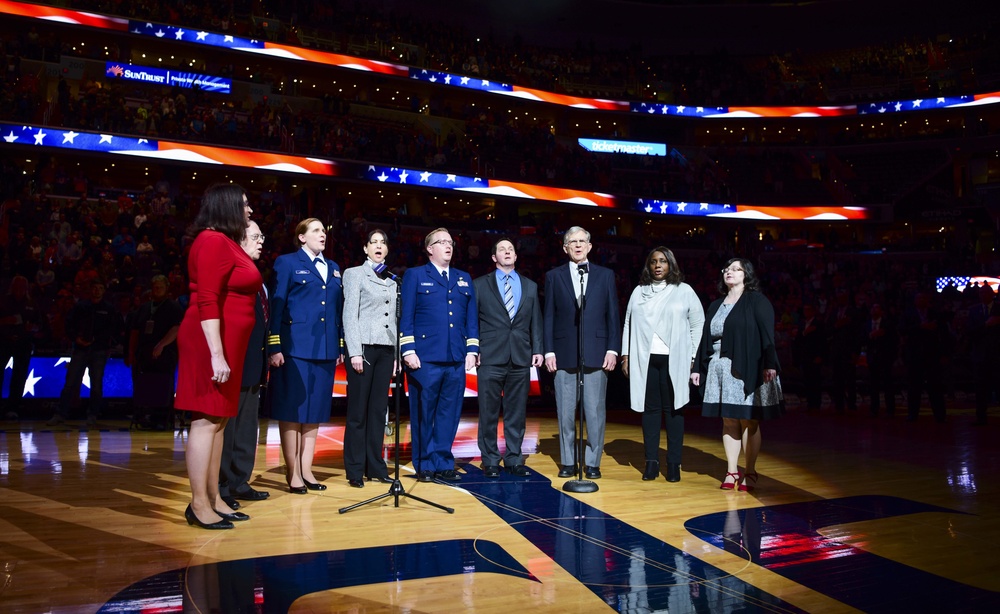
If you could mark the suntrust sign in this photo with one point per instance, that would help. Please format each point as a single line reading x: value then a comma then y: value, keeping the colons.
x: 172, y: 78
x: 625, y: 147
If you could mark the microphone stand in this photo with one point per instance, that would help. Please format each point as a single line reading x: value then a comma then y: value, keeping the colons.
x: 396, y: 489
x: 580, y: 485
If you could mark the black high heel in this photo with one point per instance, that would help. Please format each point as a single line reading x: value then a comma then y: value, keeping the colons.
x: 313, y: 485
x: 213, y: 526
x: 295, y: 490
x: 233, y: 516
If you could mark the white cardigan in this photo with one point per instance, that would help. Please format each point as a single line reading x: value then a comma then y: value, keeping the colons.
x: 677, y: 317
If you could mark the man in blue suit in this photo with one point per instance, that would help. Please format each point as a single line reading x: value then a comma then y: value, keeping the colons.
x: 602, y: 339
x: 438, y: 336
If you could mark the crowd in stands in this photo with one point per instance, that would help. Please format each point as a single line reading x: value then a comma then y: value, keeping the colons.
x: 914, y: 67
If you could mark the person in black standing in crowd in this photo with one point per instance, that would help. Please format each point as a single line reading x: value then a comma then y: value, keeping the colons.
x: 510, y: 343
x: 239, y: 438
x: 94, y: 325
x: 984, y: 333
x: 842, y: 327
x: 810, y: 351
x: 152, y: 354
x: 881, y: 349
x: 925, y: 348
x: 19, y: 324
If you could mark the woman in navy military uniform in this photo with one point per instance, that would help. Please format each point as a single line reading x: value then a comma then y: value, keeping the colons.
x: 305, y: 346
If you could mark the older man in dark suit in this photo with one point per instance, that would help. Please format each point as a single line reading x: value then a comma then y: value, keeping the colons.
x: 510, y: 343
x: 602, y: 337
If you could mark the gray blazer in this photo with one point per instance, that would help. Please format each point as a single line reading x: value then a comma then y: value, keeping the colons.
x: 369, y: 309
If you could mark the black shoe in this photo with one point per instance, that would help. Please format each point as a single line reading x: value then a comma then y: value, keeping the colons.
x: 356, y: 483
x: 567, y: 471
x: 297, y: 490
x: 231, y: 502
x: 233, y: 517
x: 425, y: 476
x: 381, y: 479
x: 491, y: 471
x: 314, y: 485
x: 652, y: 471
x: 592, y: 473
x: 448, y: 475
x: 213, y: 526
x: 673, y: 472
x: 517, y: 470
x: 251, y: 495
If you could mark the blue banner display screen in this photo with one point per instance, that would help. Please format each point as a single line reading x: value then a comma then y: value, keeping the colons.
x: 161, y: 76
x: 625, y: 147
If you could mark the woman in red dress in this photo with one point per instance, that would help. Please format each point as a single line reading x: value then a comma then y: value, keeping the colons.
x: 212, y: 343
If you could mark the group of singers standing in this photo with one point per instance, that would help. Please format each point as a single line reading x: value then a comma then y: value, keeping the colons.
x: 449, y: 323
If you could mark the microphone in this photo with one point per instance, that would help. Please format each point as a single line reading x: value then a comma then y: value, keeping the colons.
x: 383, y: 271
x: 583, y: 268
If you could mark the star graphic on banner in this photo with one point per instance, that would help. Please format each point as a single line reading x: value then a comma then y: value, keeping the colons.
x: 382, y: 177
x: 477, y: 179
x: 403, y: 176
x: 29, y: 384
x: 61, y: 360
x: 433, y: 79
x: 663, y: 208
x: 881, y: 109
x: 160, y: 33
x: 649, y: 208
x: 179, y: 34
x: 137, y: 31
x: 141, y: 141
x: 465, y: 81
x: 916, y: 103
x: 485, y: 83
x: 652, y: 110
x: 940, y: 100
x: 699, y: 109
x: 228, y: 39
x: 450, y: 178
x: 10, y: 138
x: 371, y: 168
x: 39, y: 136
x: 899, y: 106
x: 69, y: 136
x: 703, y: 207
x: 424, y: 176
x: 681, y: 206
x: 681, y: 108
x: 447, y: 80
x: 105, y: 138
x: 201, y: 36
x: 10, y: 364
x: 86, y: 378
x: 727, y: 207
x: 149, y: 25
x: 423, y: 72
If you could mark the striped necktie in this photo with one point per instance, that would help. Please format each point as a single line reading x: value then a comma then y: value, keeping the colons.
x: 508, y: 296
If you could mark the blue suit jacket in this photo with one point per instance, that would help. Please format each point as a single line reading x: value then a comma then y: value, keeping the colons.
x: 438, y: 322
x: 306, y: 312
x: 601, y: 326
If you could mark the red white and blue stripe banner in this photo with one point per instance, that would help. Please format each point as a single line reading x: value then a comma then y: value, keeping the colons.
x: 289, y: 52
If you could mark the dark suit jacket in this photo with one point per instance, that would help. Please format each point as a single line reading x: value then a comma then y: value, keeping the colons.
x: 500, y: 338
x: 255, y: 363
x: 601, y: 326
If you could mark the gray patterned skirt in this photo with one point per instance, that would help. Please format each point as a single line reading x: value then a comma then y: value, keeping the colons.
x: 724, y: 395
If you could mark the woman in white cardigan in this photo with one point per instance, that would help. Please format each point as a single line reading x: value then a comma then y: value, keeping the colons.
x: 663, y: 326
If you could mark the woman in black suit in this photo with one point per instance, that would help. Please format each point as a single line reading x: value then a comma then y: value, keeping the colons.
x: 738, y: 367
x: 370, y: 336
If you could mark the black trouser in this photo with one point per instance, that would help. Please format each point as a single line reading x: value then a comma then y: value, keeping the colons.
x: 880, y: 381
x: 659, y: 405
x: 367, y: 402
x: 239, y: 444
x: 920, y: 373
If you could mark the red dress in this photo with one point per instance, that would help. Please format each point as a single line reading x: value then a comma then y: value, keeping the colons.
x: 224, y: 283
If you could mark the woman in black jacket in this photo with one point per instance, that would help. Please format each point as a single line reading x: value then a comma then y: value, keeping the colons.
x: 738, y: 368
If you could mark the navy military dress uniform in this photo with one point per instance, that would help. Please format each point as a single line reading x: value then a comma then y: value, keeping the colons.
x: 307, y: 328
x: 439, y: 322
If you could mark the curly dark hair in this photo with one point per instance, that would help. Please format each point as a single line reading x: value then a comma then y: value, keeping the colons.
x: 222, y: 209
x: 674, y: 273
x: 750, y: 281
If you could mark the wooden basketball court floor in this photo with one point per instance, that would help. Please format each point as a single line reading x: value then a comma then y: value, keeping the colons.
x: 852, y: 513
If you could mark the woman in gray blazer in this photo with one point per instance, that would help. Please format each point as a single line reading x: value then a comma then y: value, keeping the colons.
x: 370, y: 335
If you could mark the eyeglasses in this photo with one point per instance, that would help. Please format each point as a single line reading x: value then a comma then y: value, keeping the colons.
x: 732, y: 269
x: 444, y: 242
x: 257, y: 237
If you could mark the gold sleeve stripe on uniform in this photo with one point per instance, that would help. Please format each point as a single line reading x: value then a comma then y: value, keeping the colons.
x: 407, y: 339
x: 274, y: 339
x: 472, y: 341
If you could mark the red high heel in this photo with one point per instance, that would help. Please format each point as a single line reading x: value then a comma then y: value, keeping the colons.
x: 731, y: 485
x: 749, y: 475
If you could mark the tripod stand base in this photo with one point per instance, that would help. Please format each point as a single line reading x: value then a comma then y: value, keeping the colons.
x: 396, y: 490
x: 580, y: 486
